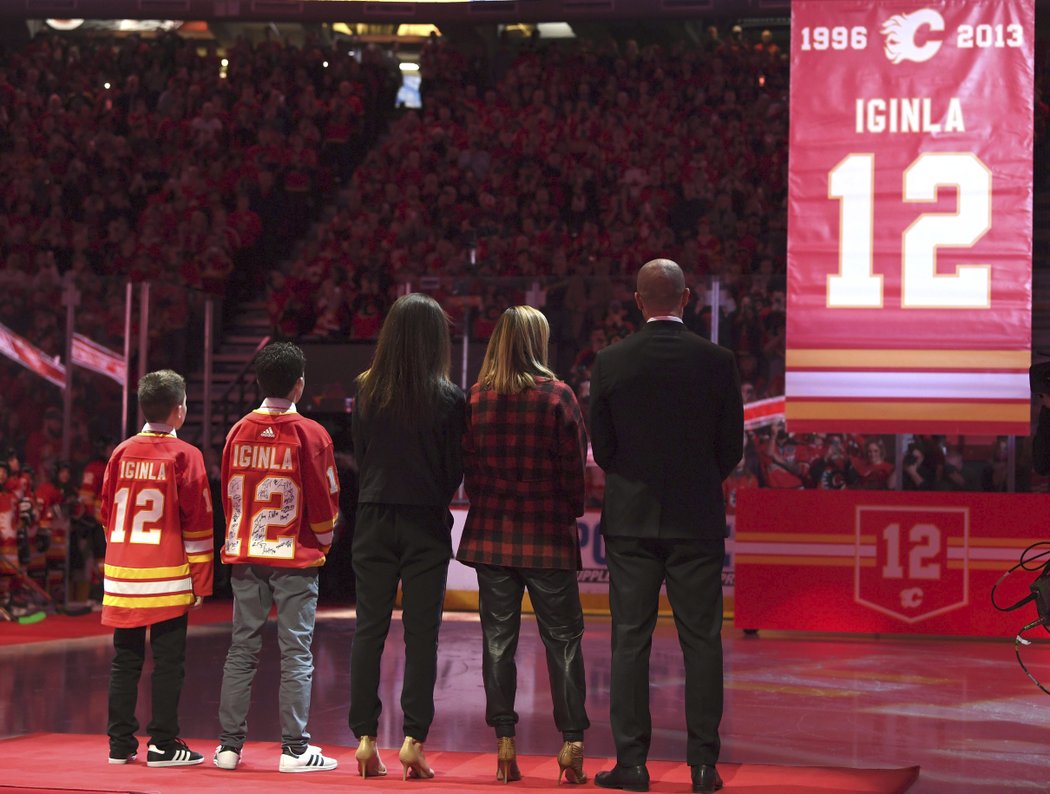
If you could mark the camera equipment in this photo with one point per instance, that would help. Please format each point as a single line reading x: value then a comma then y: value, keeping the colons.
x: 1039, y: 591
x: 25, y: 510
x: 25, y: 521
x: 22, y: 542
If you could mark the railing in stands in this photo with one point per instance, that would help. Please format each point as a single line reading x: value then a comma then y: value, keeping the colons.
x: 240, y: 384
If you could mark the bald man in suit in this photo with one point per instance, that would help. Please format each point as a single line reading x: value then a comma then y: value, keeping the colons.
x: 667, y: 428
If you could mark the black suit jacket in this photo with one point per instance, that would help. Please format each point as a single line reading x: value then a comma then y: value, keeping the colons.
x: 667, y: 426
x: 1041, y: 443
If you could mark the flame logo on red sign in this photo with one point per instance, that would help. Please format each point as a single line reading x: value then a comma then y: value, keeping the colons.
x: 902, y: 30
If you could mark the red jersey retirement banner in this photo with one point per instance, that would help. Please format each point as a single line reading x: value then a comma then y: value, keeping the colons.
x: 910, y: 216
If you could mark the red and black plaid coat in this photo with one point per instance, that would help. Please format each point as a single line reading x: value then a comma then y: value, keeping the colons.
x: 523, y: 460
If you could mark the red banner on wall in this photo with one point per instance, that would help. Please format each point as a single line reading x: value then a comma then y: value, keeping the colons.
x: 910, y: 216
x: 883, y: 561
x: 91, y: 355
x: 31, y: 357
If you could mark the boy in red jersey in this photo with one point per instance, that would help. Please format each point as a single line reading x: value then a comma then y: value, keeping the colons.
x: 281, y: 496
x: 156, y: 511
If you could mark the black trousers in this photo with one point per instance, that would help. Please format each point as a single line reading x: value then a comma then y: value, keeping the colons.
x: 693, y: 571
x: 411, y: 544
x: 555, y: 596
x: 167, y: 642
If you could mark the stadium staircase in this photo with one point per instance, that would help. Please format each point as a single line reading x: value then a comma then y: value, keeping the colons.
x: 232, y: 385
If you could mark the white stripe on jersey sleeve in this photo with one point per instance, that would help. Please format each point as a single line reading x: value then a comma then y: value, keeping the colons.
x: 118, y: 587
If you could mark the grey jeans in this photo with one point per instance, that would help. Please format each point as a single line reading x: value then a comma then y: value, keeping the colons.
x: 255, y: 589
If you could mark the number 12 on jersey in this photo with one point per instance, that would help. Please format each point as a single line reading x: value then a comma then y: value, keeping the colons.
x: 276, y: 504
x: 147, y: 509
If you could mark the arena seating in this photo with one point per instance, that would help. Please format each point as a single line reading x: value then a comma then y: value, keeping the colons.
x: 555, y: 167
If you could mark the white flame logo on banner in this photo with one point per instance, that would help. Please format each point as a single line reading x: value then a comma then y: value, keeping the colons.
x: 901, y: 30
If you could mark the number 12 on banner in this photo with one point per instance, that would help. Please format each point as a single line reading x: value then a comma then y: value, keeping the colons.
x: 856, y: 286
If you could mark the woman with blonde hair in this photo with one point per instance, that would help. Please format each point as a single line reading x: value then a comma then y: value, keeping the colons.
x: 524, y: 453
x: 407, y: 426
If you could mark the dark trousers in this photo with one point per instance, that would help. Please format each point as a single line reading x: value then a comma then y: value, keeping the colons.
x: 693, y: 571
x: 167, y: 642
x: 555, y: 597
x: 411, y: 544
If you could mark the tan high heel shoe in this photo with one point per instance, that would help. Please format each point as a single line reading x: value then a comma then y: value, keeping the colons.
x: 413, y: 762
x: 369, y: 764
x: 506, y: 760
x: 570, y: 763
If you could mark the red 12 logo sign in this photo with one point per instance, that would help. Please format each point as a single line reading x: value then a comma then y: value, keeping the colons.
x: 912, y: 562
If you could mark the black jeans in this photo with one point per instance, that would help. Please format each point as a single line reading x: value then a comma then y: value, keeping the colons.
x: 167, y: 641
x: 411, y: 544
x: 555, y: 597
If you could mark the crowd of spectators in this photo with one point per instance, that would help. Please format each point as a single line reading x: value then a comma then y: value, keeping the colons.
x: 544, y: 173
x: 565, y: 167
x: 160, y: 160
x: 774, y: 458
x: 549, y: 176
x: 539, y: 173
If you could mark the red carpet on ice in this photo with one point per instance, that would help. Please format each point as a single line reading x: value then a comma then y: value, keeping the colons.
x: 65, y: 627
x: 52, y: 762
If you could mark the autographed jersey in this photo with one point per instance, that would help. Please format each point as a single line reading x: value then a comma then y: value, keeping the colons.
x: 280, y: 491
x: 155, y: 507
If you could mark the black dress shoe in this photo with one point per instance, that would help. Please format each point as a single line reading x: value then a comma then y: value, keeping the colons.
x: 628, y: 778
x: 706, y: 779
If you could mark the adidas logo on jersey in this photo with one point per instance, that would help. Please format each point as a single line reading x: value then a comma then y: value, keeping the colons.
x: 268, y: 433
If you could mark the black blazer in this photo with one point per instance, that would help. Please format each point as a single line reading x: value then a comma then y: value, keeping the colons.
x: 402, y: 463
x: 1041, y: 443
x: 667, y: 425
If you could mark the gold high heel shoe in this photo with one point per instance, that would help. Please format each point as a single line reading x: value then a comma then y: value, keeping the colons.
x: 570, y: 763
x: 413, y: 762
x: 507, y: 760
x: 368, y: 760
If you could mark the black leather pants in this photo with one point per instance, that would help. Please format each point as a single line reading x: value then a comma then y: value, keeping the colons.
x: 555, y: 597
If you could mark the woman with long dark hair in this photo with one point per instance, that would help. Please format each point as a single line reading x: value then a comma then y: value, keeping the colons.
x: 407, y: 427
x: 524, y: 453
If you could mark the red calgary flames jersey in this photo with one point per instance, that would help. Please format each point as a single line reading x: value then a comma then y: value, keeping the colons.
x: 280, y: 491
x: 156, y: 510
